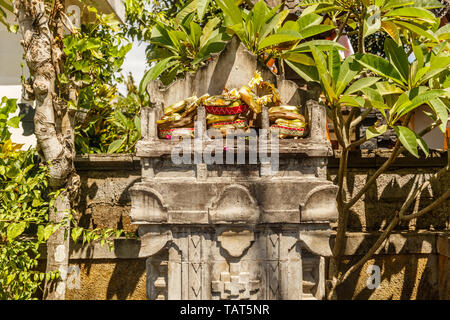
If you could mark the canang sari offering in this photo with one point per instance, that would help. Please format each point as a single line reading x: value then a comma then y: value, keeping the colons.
x: 233, y: 109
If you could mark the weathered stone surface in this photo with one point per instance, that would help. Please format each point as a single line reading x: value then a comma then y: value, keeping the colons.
x: 233, y: 231
x: 444, y: 277
x: 121, y: 171
x: 236, y: 241
x: 443, y: 248
x: 402, y: 277
x: 376, y: 208
x: 107, y: 280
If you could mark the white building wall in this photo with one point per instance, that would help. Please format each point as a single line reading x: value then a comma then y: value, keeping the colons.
x: 11, y: 53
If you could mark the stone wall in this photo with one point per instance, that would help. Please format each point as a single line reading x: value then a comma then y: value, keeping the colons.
x: 414, y: 264
x: 443, y: 247
x: 375, y: 209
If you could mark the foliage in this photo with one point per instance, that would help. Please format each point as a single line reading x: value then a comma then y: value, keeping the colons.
x: 179, y: 45
x: 25, y: 204
x: 95, y: 56
x: 400, y: 88
x: 182, y: 45
x: 23, y: 207
x: 397, y: 18
x: 113, y: 126
x: 141, y: 15
x: 413, y: 71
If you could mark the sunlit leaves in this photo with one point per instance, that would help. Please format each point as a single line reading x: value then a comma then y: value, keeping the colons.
x: 408, y: 139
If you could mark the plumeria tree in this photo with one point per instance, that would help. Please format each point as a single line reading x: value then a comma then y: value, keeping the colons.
x: 415, y: 72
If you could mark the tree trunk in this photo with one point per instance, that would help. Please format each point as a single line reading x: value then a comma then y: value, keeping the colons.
x: 58, y: 251
x: 42, y: 35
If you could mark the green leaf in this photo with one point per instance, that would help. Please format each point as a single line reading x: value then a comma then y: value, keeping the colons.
x: 441, y: 111
x: 309, y: 20
x: 115, y: 145
x: 298, y: 57
x: 15, y: 229
x: 196, y: 32
x: 416, y: 13
x: 13, y: 122
x: 269, y: 26
x: 259, y: 12
x: 428, y: 4
x: 7, y: 5
x: 308, y: 73
x: 279, y: 37
x: 185, y: 11
x: 372, y: 21
x: 398, y: 58
x: 386, y: 88
x: 49, y: 230
x: 423, y: 145
x: 202, y: 5
x: 443, y: 33
x: 323, y: 45
x: 392, y: 30
x: 374, y: 131
x: 76, y: 233
x: 380, y: 66
x: 231, y: 10
x: 418, y: 30
x: 315, y: 2
x: 408, y: 139
x: 207, y: 30
x: 374, y: 97
x: 417, y: 101
x: 361, y: 84
x: 137, y: 124
x: 36, y: 202
x: 13, y: 28
x: 395, y: 4
x: 334, y: 64
x: 154, y: 72
x: 438, y: 65
x: 352, y: 101
x: 40, y: 233
x: 325, y: 77
x: 315, y: 30
x: 348, y: 71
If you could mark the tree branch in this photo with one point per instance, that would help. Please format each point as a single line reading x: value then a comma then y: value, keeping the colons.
x: 413, y: 194
x: 371, y: 251
x: 342, y: 26
x: 360, y: 118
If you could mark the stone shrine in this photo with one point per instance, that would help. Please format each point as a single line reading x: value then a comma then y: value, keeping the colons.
x: 234, y: 231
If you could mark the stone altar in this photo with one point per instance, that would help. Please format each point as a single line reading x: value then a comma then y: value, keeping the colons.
x: 221, y: 231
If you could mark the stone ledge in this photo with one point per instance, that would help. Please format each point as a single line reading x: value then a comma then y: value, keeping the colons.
x: 357, y: 159
x: 357, y: 244
x: 106, y: 162
x: 422, y: 242
x: 443, y: 244
x: 375, y: 158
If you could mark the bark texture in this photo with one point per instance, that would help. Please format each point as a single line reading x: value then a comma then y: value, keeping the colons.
x: 42, y: 40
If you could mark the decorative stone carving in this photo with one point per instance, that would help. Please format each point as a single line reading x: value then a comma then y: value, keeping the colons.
x: 235, y: 242
x: 320, y: 204
x: 147, y: 204
x: 231, y: 231
x: 234, y: 205
x: 317, y: 241
x: 157, y: 273
x: 152, y: 243
x: 235, y: 284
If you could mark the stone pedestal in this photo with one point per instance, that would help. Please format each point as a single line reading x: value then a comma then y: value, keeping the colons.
x: 228, y: 231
